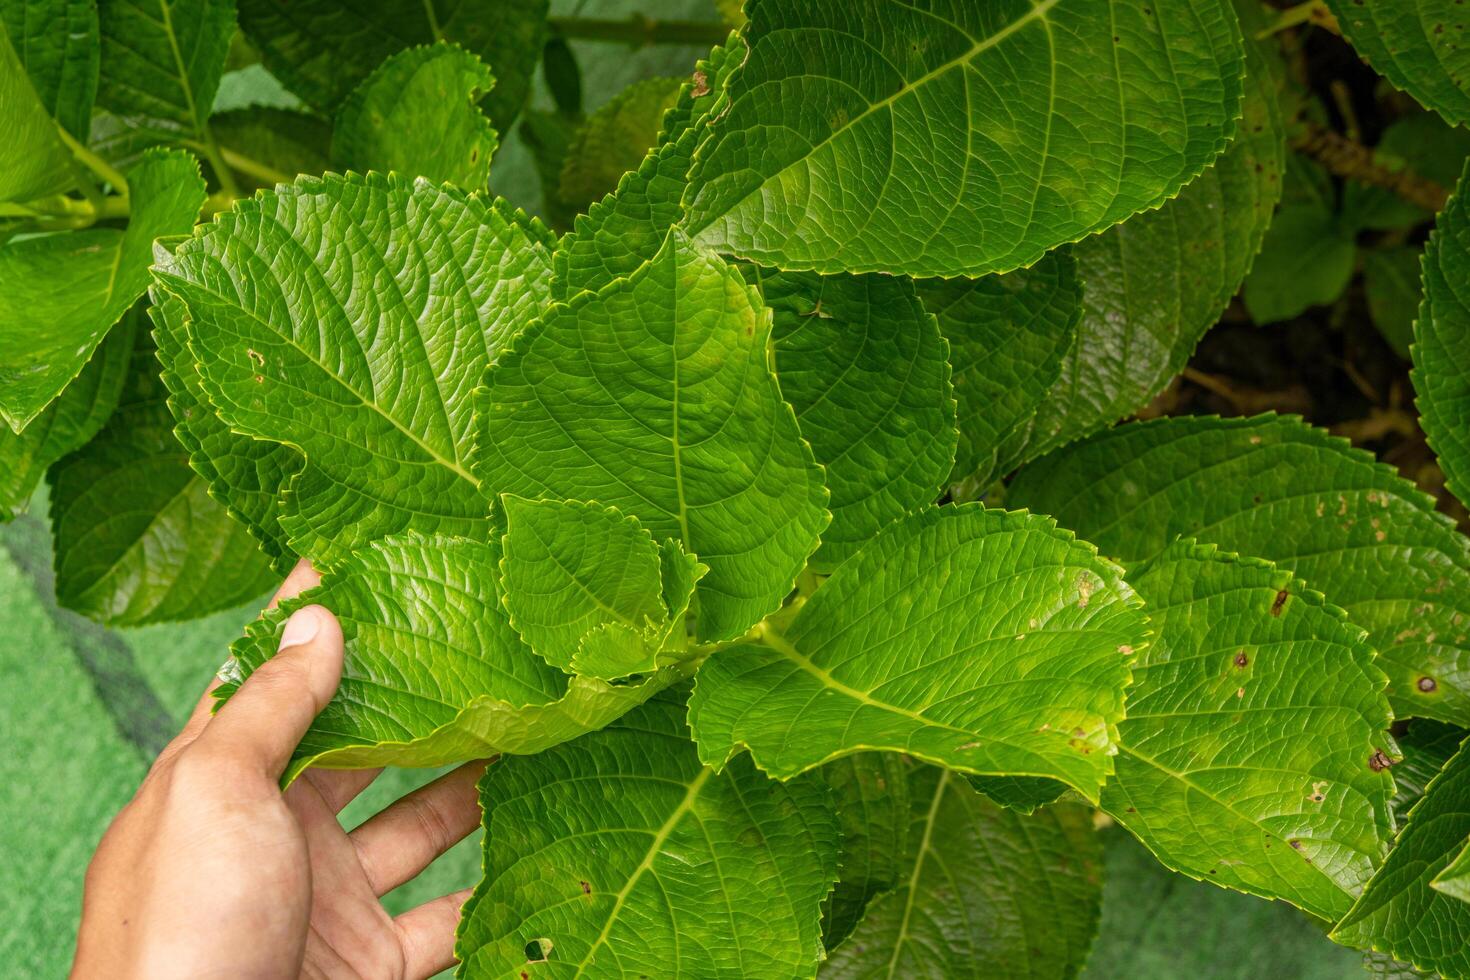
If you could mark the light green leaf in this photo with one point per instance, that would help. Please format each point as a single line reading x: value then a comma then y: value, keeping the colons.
x: 870, y: 792
x: 350, y: 317
x: 1281, y: 490
x: 1391, y: 286
x: 417, y: 114
x: 33, y: 160
x: 1442, y: 343
x: 1454, y: 880
x: 66, y: 424
x: 1008, y: 335
x: 1255, y: 751
x: 64, y: 292
x: 675, y: 871
x: 162, y: 61
x: 434, y: 673
x: 1418, y: 45
x: 614, y: 139
x: 985, y: 892
x: 960, y: 138
x: 867, y: 373
x: 323, y: 49
x: 138, y: 539
x: 1399, y: 912
x: 57, y: 42
x: 284, y: 142
x: 629, y: 226
x: 1306, y: 260
x: 986, y: 641
x: 655, y: 396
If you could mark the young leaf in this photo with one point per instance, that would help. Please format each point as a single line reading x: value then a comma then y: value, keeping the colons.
x: 1399, y: 912
x: 33, y: 160
x: 138, y: 539
x: 961, y: 138
x: 56, y: 41
x: 1418, y: 45
x: 614, y: 139
x: 654, y: 867
x: 162, y: 61
x: 64, y: 292
x: 1007, y: 337
x: 1255, y: 752
x: 1280, y: 490
x: 986, y: 892
x: 349, y: 317
x: 1442, y: 342
x: 866, y: 371
x: 655, y: 396
x: 870, y: 792
x: 434, y: 672
x: 986, y: 641
x: 417, y: 115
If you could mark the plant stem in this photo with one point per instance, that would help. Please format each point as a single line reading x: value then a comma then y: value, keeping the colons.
x: 1311, y: 12
x: 94, y: 163
x: 1344, y: 158
x: 639, y: 30
x: 252, y: 167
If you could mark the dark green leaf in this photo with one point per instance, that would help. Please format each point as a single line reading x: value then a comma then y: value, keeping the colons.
x: 870, y: 792
x: 162, y: 61
x: 1391, y: 285
x: 57, y: 42
x: 1418, y: 45
x: 1442, y: 342
x: 33, y: 160
x: 614, y: 139
x: 283, y: 141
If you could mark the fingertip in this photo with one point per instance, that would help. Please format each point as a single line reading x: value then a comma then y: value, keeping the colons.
x: 313, y: 633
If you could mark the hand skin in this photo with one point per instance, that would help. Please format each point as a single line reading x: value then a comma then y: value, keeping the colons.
x: 212, y: 871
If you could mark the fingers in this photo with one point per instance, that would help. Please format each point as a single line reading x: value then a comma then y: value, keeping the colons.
x: 426, y: 935
x: 401, y: 840
x: 301, y: 578
x: 339, y: 787
x: 265, y: 719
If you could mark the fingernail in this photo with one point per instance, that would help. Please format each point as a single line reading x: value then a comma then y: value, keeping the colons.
x: 303, y: 625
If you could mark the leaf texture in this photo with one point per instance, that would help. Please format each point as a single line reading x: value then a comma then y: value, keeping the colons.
x: 654, y: 866
x: 615, y: 139
x: 870, y: 793
x: 1454, y: 880
x: 57, y: 42
x: 1278, y: 489
x: 954, y: 138
x: 1418, y: 45
x: 33, y: 160
x: 985, y: 641
x: 1255, y: 752
x: 162, y: 60
x: 350, y: 317
x: 655, y: 396
x: 288, y: 142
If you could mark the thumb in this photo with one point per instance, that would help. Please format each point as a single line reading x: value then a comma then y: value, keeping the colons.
x: 266, y: 718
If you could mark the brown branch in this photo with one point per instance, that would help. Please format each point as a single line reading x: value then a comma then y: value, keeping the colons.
x: 1345, y: 158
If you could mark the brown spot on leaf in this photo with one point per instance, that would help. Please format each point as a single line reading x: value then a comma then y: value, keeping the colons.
x: 1296, y: 844
x: 1379, y: 761
x: 1280, y: 602
x: 586, y: 888
x: 701, y: 85
x: 1241, y: 659
x: 1427, y: 684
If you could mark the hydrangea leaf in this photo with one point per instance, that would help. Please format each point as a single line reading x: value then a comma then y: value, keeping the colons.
x: 1418, y: 45
x: 417, y: 115
x: 870, y: 792
x: 1306, y: 261
x: 1008, y: 335
x: 323, y: 49
x: 57, y: 42
x: 350, y: 317
x: 288, y: 142
x: 162, y: 61
x: 959, y: 138
x: 864, y: 367
x: 675, y: 870
x: 434, y: 672
x: 1391, y: 285
x: 985, y: 892
x: 655, y: 396
x: 1283, y: 491
x: 1442, y: 343
x: 137, y: 537
x: 614, y: 139
x: 626, y: 228
x: 33, y: 160
x: 1424, y: 749
x: 986, y: 641
x: 1399, y: 913
x: 1454, y: 880
x: 1255, y: 752
x: 64, y: 292
x: 67, y: 423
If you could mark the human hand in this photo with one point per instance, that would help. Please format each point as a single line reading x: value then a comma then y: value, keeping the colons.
x: 211, y: 870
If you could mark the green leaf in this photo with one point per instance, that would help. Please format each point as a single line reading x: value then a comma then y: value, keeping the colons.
x: 349, y: 317
x: 138, y: 539
x: 437, y: 674
x: 675, y: 871
x: 866, y: 371
x: 870, y: 792
x: 64, y: 292
x: 162, y: 61
x: 961, y: 138
x: 323, y: 49
x: 1399, y: 912
x: 1422, y: 143
x: 33, y: 160
x: 417, y: 115
x: 1425, y: 748
x: 57, y: 42
x: 986, y: 892
x: 1306, y: 260
x: 584, y: 586
x: 547, y: 135
x: 1442, y: 343
x: 655, y: 396
x: 615, y: 138
x: 1391, y: 286
x: 66, y: 424
x: 1281, y: 490
x: 1418, y: 45
x: 287, y: 142
x: 986, y: 641
x: 1255, y: 751
x: 1007, y: 337
x: 628, y: 227
x: 1454, y: 880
